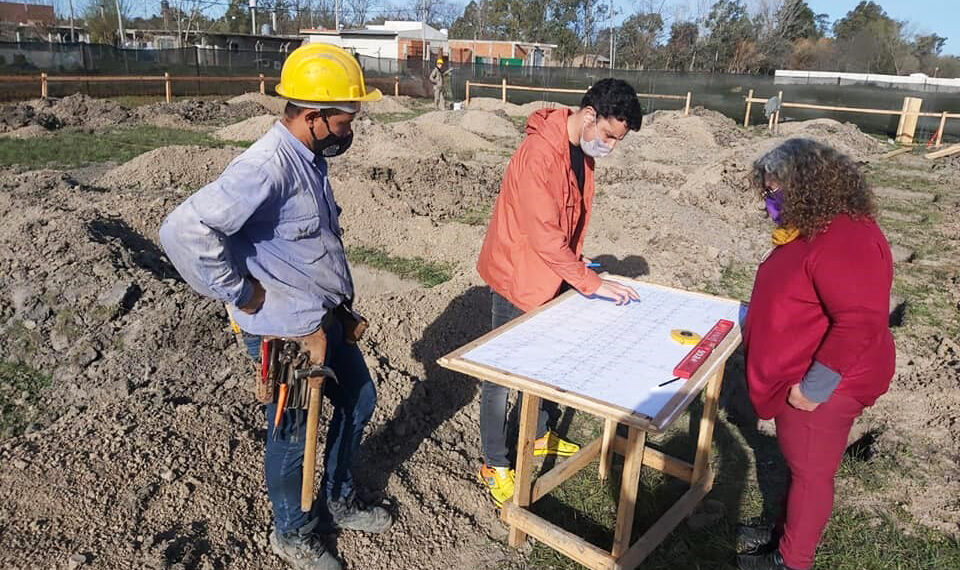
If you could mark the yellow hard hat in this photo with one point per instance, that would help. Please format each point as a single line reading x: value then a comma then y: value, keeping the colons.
x: 439, y: 60
x: 321, y: 73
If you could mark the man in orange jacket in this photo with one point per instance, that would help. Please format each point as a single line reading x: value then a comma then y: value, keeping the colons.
x: 533, y: 249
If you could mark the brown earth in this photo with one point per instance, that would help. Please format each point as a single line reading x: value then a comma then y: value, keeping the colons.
x: 146, y: 449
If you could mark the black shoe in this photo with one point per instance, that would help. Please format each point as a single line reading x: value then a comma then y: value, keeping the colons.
x: 752, y: 539
x: 353, y: 514
x: 303, y: 550
x: 768, y: 561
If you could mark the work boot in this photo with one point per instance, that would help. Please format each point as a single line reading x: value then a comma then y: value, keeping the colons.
x: 752, y: 539
x: 553, y: 444
x: 353, y: 514
x: 499, y: 481
x: 768, y: 561
x: 303, y: 550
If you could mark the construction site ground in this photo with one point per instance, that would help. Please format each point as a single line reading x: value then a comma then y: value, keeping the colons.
x: 130, y: 437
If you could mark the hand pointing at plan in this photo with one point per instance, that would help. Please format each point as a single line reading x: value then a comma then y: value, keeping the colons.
x: 616, y: 292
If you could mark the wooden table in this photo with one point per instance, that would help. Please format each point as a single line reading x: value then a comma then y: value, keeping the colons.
x: 633, y: 448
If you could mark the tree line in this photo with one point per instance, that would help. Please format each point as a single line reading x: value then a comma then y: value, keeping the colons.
x: 723, y: 36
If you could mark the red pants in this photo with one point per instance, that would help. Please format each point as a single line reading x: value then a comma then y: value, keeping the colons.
x: 813, y: 444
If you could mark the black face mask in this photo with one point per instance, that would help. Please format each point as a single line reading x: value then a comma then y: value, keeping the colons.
x: 331, y: 145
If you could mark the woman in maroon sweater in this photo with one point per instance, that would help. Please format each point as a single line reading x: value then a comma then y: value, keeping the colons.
x: 817, y: 342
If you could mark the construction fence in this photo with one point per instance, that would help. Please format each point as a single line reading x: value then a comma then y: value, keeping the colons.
x: 195, y: 72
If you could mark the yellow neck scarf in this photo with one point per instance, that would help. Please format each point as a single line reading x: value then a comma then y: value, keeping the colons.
x: 783, y: 235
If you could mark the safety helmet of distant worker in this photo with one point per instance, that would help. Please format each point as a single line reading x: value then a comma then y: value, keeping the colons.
x: 324, y: 76
x: 439, y: 61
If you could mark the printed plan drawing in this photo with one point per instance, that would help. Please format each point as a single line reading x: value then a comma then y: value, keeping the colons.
x: 594, y: 348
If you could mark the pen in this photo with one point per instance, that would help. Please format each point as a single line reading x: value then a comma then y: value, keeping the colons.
x: 593, y: 264
x: 667, y: 382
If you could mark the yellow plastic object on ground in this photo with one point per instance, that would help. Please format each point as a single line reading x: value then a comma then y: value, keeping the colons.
x: 323, y: 73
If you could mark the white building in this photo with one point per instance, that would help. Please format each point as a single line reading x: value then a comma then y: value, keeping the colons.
x: 390, y: 40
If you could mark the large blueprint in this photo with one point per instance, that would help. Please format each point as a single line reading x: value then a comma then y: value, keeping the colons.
x: 594, y: 348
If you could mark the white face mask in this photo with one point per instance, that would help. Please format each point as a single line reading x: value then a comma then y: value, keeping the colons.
x: 595, y: 148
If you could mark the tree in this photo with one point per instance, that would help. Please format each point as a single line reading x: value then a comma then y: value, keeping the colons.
x: 729, y: 26
x: 927, y: 51
x: 795, y: 20
x: 101, y: 19
x: 682, y: 46
x: 360, y: 10
x: 869, y: 40
x: 636, y: 39
x: 237, y: 17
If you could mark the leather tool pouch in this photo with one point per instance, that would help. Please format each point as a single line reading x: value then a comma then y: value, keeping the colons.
x: 354, y: 325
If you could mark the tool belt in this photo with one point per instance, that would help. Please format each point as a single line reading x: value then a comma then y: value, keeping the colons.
x: 285, y: 365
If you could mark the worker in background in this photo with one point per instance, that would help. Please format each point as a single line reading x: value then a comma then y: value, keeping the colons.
x: 437, y: 76
x: 533, y: 249
x: 265, y: 239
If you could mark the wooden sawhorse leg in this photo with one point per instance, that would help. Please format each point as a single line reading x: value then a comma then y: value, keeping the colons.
x: 523, y: 486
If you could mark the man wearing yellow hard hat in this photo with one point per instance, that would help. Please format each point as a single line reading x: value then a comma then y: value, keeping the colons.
x: 436, y: 79
x: 265, y: 239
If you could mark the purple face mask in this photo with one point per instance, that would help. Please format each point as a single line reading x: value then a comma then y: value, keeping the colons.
x: 774, y: 202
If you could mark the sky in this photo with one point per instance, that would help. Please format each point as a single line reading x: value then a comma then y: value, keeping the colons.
x: 926, y: 16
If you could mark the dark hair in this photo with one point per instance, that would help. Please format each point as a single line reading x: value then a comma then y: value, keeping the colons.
x: 615, y: 98
x: 292, y: 111
x: 818, y: 183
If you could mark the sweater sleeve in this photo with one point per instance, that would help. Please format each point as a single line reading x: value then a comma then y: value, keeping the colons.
x: 852, y: 278
x: 540, y: 211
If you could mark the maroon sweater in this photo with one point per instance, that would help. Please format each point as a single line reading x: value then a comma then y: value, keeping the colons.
x: 822, y: 300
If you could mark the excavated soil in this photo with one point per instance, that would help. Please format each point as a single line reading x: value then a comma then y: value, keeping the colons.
x: 248, y: 130
x: 146, y: 449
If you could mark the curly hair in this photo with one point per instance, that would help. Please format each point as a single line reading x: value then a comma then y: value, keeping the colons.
x: 817, y: 182
x: 612, y: 97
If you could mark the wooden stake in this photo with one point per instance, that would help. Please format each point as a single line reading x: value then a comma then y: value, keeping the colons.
x: 606, y: 451
x: 396, y: 86
x: 529, y: 413
x: 776, y: 116
x: 503, y: 95
x: 943, y: 125
x: 43, y: 86
x: 263, y: 86
x: 468, y: 94
x: 636, y: 441
x: 167, y: 87
x: 950, y: 150
x: 686, y: 106
x: 711, y: 400
x: 746, y: 116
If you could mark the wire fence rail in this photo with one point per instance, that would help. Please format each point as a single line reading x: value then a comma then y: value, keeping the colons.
x: 503, y: 86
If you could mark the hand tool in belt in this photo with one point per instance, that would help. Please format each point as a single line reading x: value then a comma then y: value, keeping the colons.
x: 315, y: 346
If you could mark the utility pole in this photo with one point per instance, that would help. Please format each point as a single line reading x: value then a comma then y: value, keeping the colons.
x: 423, y: 27
x: 73, y: 32
x: 119, y: 22
x: 336, y: 15
x: 610, y: 25
x: 253, y: 17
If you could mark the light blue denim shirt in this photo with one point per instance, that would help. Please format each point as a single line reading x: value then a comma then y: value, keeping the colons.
x: 270, y: 215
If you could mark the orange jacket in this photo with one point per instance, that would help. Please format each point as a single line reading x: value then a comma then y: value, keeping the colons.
x: 530, y: 248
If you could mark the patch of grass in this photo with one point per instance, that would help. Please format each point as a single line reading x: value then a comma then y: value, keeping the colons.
x: 397, y: 117
x: 474, y: 216
x: 891, y: 541
x: 20, y: 388
x: 428, y: 273
x: 73, y: 148
x: 141, y: 100
x: 896, y: 178
x: 929, y: 308
x: 736, y: 281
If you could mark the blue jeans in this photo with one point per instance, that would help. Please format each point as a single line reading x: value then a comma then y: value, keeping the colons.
x: 354, y: 397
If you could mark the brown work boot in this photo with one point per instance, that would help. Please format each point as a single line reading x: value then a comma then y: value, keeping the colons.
x: 303, y: 550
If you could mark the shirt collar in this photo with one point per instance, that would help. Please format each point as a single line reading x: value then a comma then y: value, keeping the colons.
x: 294, y: 142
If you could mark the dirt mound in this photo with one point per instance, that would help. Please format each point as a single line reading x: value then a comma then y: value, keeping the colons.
x: 273, y: 104
x: 489, y: 125
x: 248, y: 130
x: 198, y: 112
x: 76, y: 110
x: 845, y: 137
x: 390, y: 104
x: 27, y: 132
x: 185, y: 167
x: 511, y: 109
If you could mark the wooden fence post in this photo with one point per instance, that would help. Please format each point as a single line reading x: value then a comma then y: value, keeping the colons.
x: 908, y: 120
x: 167, y: 87
x: 746, y: 116
x: 686, y: 107
x: 396, y: 86
x: 263, y: 87
x: 943, y: 125
x: 776, y: 116
x: 503, y: 94
x: 43, y: 86
x: 468, y: 94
